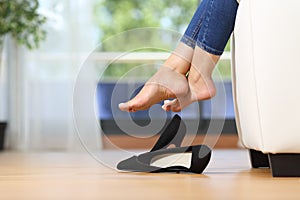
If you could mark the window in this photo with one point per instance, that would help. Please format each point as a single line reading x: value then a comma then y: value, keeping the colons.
x: 129, y: 75
x: 45, y: 77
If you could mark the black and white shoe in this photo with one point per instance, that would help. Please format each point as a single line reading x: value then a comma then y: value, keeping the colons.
x: 163, y: 159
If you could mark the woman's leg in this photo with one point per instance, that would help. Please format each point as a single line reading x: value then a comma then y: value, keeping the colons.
x: 216, y: 28
x: 170, y: 80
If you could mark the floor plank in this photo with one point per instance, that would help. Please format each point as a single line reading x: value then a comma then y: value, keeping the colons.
x: 54, y: 175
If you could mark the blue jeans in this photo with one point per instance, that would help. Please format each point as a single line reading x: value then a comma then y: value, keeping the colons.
x: 211, y: 25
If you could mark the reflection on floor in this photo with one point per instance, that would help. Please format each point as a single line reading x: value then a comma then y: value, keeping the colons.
x: 81, y: 176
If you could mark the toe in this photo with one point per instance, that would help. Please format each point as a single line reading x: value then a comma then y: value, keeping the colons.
x: 125, y: 107
x: 176, y: 107
x: 173, y: 105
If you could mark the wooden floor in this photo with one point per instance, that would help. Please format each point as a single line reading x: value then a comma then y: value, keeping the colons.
x: 80, y: 176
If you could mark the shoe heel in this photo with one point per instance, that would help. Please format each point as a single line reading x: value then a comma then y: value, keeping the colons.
x: 200, y: 158
x: 177, y: 141
x: 173, y: 133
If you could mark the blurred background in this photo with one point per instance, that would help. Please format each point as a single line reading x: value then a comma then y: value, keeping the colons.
x: 36, y: 86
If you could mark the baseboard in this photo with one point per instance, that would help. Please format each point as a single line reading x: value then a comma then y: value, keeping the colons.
x: 128, y: 142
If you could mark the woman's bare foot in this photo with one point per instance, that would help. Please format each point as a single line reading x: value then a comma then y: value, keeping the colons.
x: 168, y: 82
x: 205, y: 89
x: 165, y: 84
x: 201, y: 85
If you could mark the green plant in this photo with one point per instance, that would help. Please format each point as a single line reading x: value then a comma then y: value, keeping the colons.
x: 20, y: 19
x: 116, y: 16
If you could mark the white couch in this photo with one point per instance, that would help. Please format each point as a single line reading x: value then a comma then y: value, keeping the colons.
x: 266, y: 83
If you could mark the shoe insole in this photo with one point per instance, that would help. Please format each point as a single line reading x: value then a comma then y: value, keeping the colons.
x: 169, y: 160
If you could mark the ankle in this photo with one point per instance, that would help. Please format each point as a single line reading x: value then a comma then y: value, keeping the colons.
x: 177, y: 64
x: 198, y: 78
x: 202, y: 88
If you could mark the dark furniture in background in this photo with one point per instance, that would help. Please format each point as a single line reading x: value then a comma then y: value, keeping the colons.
x: 2, y: 134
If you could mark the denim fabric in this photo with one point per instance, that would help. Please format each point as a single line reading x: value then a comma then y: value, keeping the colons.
x: 211, y: 25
